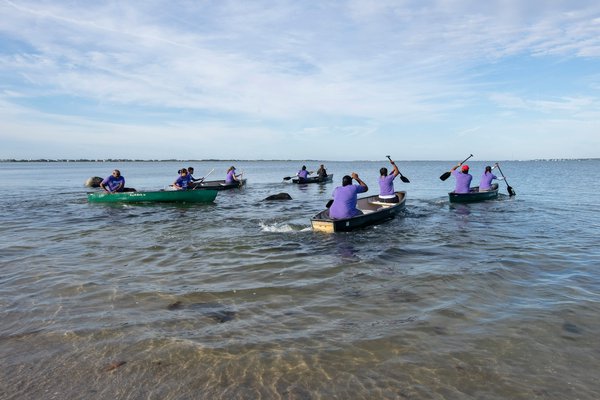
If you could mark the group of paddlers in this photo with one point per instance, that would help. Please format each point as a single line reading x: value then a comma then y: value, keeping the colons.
x: 115, y: 182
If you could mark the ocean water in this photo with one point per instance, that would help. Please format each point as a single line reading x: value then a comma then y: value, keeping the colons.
x: 239, y: 299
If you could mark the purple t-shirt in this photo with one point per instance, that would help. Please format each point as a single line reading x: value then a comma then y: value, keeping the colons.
x: 344, y: 201
x: 183, y: 181
x: 486, y: 180
x: 463, y: 181
x: 113, y: 182
x: 230, y: 176
x: 303, y: 174
x: 386, y: 185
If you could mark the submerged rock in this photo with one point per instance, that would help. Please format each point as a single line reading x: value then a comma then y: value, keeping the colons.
x: 115, y: 365
x: 279, y: 196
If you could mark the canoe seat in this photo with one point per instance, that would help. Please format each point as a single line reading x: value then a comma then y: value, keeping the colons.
x: 382, y: 204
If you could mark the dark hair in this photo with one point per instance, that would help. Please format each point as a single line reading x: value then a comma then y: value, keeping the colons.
x: 304, y: 167
x: 179, y: 171
x: 383, y: 171
x: 346, y: 180
x: 190, y: 168
x: 488, y: 169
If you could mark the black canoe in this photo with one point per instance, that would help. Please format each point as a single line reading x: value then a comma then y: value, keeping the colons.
x: 374, y: 212
x: 474, y: 195
x: 314, y: 179
x: 217, y: 185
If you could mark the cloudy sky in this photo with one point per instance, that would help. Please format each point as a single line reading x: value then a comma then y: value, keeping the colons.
x: 325, y: 80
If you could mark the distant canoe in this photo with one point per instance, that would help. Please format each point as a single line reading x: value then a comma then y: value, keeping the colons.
x: 374, y: 212
x: 314, y: 179
x: 218, y: 185
x: 474, y: 195
x: 162, y: 196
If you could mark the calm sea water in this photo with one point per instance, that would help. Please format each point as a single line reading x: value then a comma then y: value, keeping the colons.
x: 239, y: 299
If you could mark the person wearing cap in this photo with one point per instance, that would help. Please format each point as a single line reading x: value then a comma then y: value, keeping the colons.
x: 485, y: 183
x: 345, y: 197
x: 387, y: 194
x: 231, y: 176
x: 114, y: 182
x: 463, y: 178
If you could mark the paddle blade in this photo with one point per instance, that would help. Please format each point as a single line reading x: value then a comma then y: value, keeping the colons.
x: 287, y: 178
x: 404, y: 179
x: 329, y: 203
x: 511, y: 192
x: 445, y: 175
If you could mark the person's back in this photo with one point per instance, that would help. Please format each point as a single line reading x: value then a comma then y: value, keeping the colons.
x: 485, y: 183
x: 463, y: 180
x: 303, y: 173
x: 345, y: 198
x: 387, y: 193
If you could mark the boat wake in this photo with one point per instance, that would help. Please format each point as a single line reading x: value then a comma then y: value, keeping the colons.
x: 282, y: 227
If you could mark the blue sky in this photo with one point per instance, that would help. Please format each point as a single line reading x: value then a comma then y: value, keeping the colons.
x: 328, y: 80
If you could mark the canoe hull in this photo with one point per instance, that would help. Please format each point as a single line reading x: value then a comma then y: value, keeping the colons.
x: 217, y: 185
x: 314, y: 179
x: 162, y: 196
x: 374, y: 213
x: 474, y: 196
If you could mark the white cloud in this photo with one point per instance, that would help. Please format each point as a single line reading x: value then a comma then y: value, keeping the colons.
x: 347, y: 69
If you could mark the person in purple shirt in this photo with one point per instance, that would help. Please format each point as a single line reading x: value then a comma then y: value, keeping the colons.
x: 485, y: 182
x: 303, y: 174
x: 182, y: 182
x: 387, y: 194
x: 113, y: 183
x: 345, y: 197
x: 231, y: 176
x: 463, y: 178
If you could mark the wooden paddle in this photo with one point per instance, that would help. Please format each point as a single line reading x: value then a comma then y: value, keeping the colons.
x: 404, y: 179
x: 446, y: 175
x: 509, y: 188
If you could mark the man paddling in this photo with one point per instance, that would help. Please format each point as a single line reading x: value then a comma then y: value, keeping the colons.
x: 463, y: 178
x: 345, y: 197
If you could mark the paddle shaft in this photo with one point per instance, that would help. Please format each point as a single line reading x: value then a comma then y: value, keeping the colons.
x: 447, y: 174
x: 402, y: 177
x: 509, y: 188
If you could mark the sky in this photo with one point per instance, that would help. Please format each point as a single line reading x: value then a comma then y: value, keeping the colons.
x: 300, y: 80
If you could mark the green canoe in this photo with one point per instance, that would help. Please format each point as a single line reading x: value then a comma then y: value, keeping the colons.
x: 474, y: 195
x: 162, y: 196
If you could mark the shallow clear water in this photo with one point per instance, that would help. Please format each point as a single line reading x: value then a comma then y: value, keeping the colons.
x: 240, y: 299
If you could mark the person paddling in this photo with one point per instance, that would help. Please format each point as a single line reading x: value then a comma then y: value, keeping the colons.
x: 463, y: 178
x: 485, y: 183
x: 231, y: 176
x: 346, y: 196
x: 387, y: 194
x: 303, y: 174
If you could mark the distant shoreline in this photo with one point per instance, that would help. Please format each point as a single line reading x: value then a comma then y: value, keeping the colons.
x: 117, y: 160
